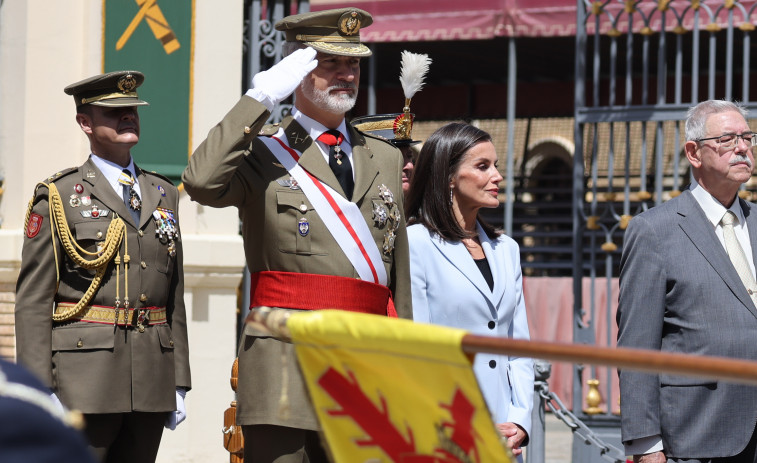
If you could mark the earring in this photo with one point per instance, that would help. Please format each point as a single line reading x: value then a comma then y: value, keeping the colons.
x: 450, y: 196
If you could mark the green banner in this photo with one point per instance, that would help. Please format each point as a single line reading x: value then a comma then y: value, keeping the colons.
x: 155, y: 38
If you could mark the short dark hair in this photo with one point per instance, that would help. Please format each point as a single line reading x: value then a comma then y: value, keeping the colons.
x: 84, y: 109
x: 428, y: 199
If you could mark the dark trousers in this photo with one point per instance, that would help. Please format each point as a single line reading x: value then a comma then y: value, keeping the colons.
x: 280, y: 444
x: 125, y: 437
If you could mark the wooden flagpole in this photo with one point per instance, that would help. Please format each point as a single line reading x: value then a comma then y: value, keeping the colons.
x: 273, y: 321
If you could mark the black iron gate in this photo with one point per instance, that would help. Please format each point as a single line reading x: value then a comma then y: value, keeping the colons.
x: 639, y: 66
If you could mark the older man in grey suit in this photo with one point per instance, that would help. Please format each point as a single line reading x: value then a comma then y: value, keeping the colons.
x: 687, y: 285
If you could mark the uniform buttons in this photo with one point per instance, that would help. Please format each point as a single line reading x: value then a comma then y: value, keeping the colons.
x: 143, y: 264
x: 141, y: 233
x: 170, y: 343
x: 492, y: 363
x: 303, y: 208
x: 80, y: 343
x: 143, y: 297
x: 99, y: 235
x: 247, y: 129
x: 492, y: 325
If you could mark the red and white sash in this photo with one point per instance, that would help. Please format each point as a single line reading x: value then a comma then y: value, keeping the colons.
x: 342, y: 218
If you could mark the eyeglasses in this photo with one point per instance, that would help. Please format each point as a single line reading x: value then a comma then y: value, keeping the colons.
x: 730, y: 140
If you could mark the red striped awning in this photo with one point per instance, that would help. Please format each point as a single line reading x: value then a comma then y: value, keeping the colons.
x: 439, y: 20
x: 435, y: 20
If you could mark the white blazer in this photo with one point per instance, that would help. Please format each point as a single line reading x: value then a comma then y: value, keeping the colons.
x: 449, y: 289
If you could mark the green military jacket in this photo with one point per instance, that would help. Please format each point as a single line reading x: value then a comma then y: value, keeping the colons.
x: 96, y: 367
x: 233, y: 167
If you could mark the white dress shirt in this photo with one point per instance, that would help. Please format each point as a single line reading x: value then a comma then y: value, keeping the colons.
x: 315, y: 129
x: 112, y: 172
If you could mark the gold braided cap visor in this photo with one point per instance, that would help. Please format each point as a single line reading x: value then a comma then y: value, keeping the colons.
x: 371, y: 126
x: 332, y: 44
x: 396, y: 128
x: 335, y: 45
x: 347, y: 49
x: 114, y: 99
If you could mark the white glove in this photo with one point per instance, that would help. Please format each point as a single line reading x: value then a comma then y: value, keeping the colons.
x: 180, y: 414
x: 276, y: 84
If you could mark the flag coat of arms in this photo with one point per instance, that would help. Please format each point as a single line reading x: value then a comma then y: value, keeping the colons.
x: 390, y: 390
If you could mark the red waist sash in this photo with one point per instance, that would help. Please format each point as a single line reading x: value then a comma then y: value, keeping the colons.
x: 307, y: 291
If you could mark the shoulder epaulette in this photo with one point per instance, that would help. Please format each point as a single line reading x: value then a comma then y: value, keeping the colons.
x: 160, y: 176
x: 58, y: 175
x: 52, y: 179
x: 269, y: 130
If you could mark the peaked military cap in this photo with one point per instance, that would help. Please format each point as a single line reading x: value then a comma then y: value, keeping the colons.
x: 336, y: 32
x: 396, y: 128
x: 118, y: 88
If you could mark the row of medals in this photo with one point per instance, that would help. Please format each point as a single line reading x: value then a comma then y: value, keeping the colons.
x: 386, y: 213
x: 165, y: 220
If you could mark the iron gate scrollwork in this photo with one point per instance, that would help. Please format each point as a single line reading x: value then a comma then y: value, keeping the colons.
x: 262, y: 42
x: 639, y: 66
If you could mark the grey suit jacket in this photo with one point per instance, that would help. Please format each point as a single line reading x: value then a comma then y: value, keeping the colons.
x: 233, y: 167
x: 679, y: 292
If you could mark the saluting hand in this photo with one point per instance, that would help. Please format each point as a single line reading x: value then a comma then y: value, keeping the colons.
x: 285, y: 76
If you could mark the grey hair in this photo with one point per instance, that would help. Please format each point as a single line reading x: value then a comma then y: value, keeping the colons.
x: 290, y: 47
x: 696, y: 118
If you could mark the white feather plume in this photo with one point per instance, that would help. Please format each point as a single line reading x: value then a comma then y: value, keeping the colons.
x: 414, y: 67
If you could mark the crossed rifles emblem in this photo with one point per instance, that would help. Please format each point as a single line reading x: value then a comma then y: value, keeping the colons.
x: 150, y: 11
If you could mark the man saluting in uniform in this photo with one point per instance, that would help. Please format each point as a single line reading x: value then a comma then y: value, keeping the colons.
x: 100, y: 296
x: 320, y: 205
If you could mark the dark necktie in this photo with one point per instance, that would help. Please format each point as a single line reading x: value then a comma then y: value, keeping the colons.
x: 338, y: 161
x: 130, y: 196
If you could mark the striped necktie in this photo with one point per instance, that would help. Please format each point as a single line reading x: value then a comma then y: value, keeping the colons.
x: 130, y: 196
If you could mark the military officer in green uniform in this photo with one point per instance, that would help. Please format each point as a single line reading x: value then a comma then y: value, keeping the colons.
x: 386, y: 126
x: 397, y: 128
x: 100, y: 313
x: 321, y: 209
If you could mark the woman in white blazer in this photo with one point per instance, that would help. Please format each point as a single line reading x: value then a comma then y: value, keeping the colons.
x: 465, y: 274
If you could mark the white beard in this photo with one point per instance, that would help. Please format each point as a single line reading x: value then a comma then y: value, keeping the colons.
x: 338, y: 103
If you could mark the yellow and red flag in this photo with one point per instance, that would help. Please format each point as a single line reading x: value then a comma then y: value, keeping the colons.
x: 390, y: 390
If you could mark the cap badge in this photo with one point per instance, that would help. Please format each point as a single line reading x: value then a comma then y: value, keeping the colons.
x: 349, y: 23
x: 127, y: 83
x: 403, y: 126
